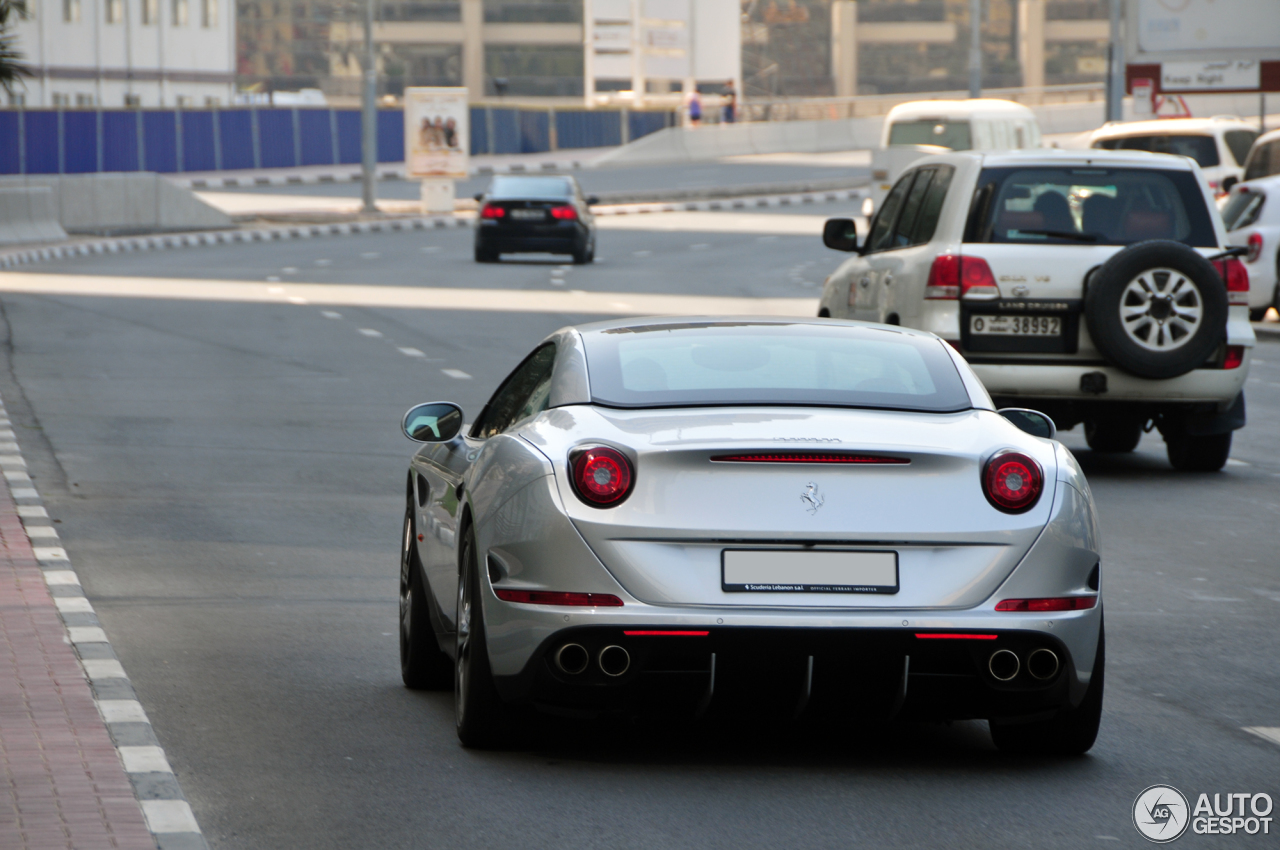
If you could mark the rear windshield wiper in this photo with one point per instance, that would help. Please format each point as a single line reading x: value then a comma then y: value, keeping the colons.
x: 1062, y: 234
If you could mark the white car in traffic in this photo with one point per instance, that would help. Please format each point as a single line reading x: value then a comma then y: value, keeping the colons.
x: 1219, y: 145
x: 1092, y: 285
x: 1252, y: 217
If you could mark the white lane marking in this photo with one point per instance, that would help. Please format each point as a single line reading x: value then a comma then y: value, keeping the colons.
x: 144, y: 760
x: 165, y: 816
x: 103, y: 668
x: 61, y: 577
x: 289, y: 270
x: 413, y: 297
x: 772, y: 224
x: 12, y: 460
x: 73, y: 605
x: 324, y: 262
x: 370, y: 332
x: 50, y: 553
x: 1267, y: 733
x: 329, y: 314
x: 24, y: 493
x: 16, y: 475
x: 7, y: 434
x: 457, y: 373
x: 28, y: 511
x: 555, y: 281
x: 86, y: 634
x: 411, y: 352
x: 122, y: 711
x: 46, y: 532
x: 1233, y: 462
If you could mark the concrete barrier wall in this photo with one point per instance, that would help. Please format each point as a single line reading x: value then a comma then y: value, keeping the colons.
x: 121, y: 203
x: 27, y: 214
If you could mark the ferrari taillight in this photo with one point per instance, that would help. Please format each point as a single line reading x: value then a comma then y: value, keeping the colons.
x: 1012, y: 482
x: 601, y: 476
x: 1052, y: 603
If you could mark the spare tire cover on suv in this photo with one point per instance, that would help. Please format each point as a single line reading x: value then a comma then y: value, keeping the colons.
x: 1157, y: 309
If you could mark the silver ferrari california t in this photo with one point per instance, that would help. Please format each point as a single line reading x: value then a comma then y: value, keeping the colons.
x: 803, y: 516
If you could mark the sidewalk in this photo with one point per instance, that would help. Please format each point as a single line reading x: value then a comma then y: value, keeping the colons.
x: 64, y: 778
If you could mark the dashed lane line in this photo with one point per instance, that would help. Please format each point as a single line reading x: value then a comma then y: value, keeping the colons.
x: 457, y: 373
x: 1267, y: 733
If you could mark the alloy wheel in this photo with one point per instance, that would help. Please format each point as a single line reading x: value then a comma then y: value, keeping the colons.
x: 1161, y: 309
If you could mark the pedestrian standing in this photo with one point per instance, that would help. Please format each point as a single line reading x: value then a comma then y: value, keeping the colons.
x: 729, y: 112
x: 695, y: 108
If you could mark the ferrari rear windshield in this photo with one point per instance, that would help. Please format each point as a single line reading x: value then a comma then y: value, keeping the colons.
x: 691, y: 364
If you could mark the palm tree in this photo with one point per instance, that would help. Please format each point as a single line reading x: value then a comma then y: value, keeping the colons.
x: 12, y: 70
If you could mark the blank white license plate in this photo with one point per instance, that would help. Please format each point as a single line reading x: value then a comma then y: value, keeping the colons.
x: 988, y: 325
x: 528, y: 215
x: 807, y: 571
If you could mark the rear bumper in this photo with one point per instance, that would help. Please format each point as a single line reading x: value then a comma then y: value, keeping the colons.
x: 1043, y: 380
x: 567, y: 240
x: 837, y: 672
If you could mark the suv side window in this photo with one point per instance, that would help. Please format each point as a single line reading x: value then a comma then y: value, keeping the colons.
x: 927, y: 221
x: 882, y: 228
x: 524, y: 393
x: 911, y: 209
x: 1239, y: 142
x: 1264, y: 160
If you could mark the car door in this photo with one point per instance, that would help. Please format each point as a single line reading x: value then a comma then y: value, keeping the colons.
x: 522, y: 395
x: 864, y: 288
x: 899, y: 253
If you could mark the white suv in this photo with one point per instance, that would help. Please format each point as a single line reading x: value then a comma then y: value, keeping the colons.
x: 1219, y: 145
x: 1096, y: 286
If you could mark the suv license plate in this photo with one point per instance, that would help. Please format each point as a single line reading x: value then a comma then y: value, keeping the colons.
x: 529, y: 215
x: 995, y: 325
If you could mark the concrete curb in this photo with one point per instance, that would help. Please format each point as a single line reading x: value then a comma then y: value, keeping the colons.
x: 129, y: 244
x: 353, y: 175
x: 164, y: 808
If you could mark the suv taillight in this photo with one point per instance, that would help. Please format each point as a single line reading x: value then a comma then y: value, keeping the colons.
x: 1255, y: 248
x: 601, y: 476
x: 953, y: 276
x: 1236, y: 277
x: 491, y: 211
x: 1012, y: 482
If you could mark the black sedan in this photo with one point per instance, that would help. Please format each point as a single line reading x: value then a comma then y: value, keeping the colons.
x: 534, y: 214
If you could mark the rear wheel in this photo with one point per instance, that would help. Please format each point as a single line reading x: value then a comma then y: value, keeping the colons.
x: 478, y: 709
x: 1207, y: 453
x: 1070, y: 733
x: 422, y: 664
x: 586, y: 255
x: 1113, y: 435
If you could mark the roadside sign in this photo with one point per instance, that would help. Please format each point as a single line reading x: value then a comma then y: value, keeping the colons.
x: 437, y: 132
x: 1144, y: 90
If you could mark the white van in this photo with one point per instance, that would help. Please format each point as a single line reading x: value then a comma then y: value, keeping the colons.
x: 923, y: 127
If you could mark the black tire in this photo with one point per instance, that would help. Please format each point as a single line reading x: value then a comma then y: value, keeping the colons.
x: 1259, y: 314
x: 422, y: 663
x: 478, y: 710
x: 1112, y: 434
x: 585, y: 255
x: 1207, y: 453
x: 1140, y: 278
x: 484, y: 255
x: 1071, y: 733
x: 824, y: 313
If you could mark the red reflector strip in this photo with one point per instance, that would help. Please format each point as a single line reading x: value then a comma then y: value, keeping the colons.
x: 665, y: 634
x: 942, y: 636
x: 1055, y: 603
x: 553, y: 597
x: 808, y: 457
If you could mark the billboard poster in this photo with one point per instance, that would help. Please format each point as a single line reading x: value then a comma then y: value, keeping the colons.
x: 437, y: 137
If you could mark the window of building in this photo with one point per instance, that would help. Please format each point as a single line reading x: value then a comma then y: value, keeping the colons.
x: 61, y: 99
x: 17, y: 100
x: 209, y: 13
x: 179, y: 13
x: 132, y: 100
x: 185, y: 101
x: 535, y: 70
x: 532, y: 11
x: 150, y: 12
x: 115, y: 11
x: 71, y: 11
x: 83, y: 100
x: 212, y: 102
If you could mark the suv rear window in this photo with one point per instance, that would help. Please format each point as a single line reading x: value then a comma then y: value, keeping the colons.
x: 1095, y: 206
x: 1264, y: 161
x: 703, y: 364
x: 1242, y: 208
x: 956, y: 135
x: 1203, y: 149
x: 1239, y: 141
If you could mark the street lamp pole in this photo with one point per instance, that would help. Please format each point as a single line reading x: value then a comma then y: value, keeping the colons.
x: 369, y: 116
x: 1115, y: 67
x: 975, y: 48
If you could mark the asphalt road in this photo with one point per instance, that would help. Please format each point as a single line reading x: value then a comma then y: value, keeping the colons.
x: 227, y: 479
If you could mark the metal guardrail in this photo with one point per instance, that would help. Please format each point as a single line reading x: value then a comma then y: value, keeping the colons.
x: 862, y: 106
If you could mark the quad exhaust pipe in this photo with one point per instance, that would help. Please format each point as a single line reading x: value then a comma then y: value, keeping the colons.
x: 614, y: 661
x: 572, y: 658
x: 1042, y: 664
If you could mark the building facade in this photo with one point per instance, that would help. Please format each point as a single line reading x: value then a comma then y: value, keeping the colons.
x: 117, y: 53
